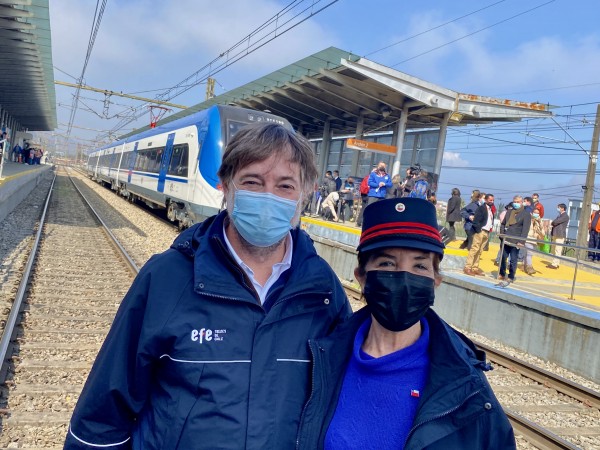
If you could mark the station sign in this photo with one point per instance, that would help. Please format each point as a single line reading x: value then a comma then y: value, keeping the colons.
x: 358, y: 144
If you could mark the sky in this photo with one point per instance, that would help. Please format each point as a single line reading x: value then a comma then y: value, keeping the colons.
x: 536, y: 50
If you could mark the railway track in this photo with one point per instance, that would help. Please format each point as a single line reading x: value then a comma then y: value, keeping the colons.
x: 546, y: 411
x: 70, y: 290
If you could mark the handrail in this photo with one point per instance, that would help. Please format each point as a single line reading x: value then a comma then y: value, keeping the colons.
x: 562, y: 258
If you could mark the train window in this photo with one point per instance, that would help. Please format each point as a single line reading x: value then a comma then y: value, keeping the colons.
x: 179, y: 161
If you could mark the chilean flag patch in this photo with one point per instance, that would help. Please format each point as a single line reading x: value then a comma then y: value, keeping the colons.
x: 415, y: 393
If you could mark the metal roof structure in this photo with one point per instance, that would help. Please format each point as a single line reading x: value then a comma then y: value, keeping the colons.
x: 26, y: 74
x: 346, y: 89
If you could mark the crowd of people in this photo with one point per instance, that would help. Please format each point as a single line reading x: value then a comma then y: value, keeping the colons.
x: 241, y: 336
x: 521, y: 229
x: 334, y: 199
x: 26, y: 154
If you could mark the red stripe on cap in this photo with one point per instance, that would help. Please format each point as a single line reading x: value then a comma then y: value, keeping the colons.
x: 401, y: 228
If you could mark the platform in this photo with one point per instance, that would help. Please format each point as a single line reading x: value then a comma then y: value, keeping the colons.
x: 551, y: 283
x: 18, y: 180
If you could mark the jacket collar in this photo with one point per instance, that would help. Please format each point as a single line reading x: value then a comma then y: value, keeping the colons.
x: 217, y: 274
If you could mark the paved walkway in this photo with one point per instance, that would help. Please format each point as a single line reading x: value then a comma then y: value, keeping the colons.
x: 12, y: 170
x: 551, y: 283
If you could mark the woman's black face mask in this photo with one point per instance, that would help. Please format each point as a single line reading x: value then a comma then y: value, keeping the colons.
x: 398, y: 300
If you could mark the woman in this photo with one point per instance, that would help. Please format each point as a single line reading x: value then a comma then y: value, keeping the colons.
x: 535, y: 232
x: 395, y: 375
x: 453, y: 212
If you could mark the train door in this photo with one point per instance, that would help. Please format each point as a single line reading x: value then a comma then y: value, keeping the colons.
x: 111, y: 163
x: 164, y: 164
x: 132, y: 160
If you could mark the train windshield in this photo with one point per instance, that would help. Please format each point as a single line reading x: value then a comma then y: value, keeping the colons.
x: 233, y: 126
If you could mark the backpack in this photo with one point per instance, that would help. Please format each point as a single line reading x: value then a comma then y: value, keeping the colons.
x: 364, y: 186
x: 419, y: 190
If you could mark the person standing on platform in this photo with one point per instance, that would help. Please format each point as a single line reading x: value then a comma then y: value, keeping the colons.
x: 453, y: 213
x: 536, y: 204
x: 338, y: 180
x: 483, y: 222
x: 515, y: 226
x: 536, y: 231
x: 559, y: 233
x: 468, y: 214
x: 379, y: 182
x: 395, y: 375
x: 364, y: 196
x: 209, y: 346
x: 594, y: 242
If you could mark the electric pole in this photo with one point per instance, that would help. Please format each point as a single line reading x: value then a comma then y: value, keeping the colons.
x: 588, y: 189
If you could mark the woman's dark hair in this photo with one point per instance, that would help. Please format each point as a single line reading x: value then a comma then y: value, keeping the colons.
x: 455, y: 191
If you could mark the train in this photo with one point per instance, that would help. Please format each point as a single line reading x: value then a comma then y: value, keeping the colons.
x: 174, y: 166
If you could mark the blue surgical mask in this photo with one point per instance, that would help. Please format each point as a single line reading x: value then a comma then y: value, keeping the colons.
x: 537, y: 216
x: 516, y: 205
x: 262, y: 218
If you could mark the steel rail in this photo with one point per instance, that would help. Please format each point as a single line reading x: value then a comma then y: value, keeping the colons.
x: 130, y: 262
x: 9, y: 328
x: 574, y: 390
x: 534, y: 434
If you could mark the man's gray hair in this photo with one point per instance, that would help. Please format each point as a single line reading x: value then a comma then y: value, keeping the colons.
x: 257, y: 142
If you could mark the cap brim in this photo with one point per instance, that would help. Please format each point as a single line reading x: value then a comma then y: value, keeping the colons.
x: 403, y: 243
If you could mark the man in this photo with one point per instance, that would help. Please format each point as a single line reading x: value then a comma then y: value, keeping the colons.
x: 337, y: 179
x: 528, y: 204
x: 594, y: 242
x: 326, y: 188
x: 537, y: 205
x: 483, y: 223
x: 364, y: 196
x: 559, y: 233
x: 516, y: 224
x: 209, y: 347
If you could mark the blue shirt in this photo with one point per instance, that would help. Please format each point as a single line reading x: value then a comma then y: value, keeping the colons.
x: 379, y: 397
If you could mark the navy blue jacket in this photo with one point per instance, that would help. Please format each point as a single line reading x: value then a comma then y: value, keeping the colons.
x: 193, y: 361
x: 457, y: 409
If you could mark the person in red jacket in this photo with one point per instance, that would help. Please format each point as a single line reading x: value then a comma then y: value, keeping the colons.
x: 537, y: 205
x: 594, y: 242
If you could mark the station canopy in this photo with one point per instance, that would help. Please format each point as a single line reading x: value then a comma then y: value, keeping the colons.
x: 337, y: 85
x: 26, y: 72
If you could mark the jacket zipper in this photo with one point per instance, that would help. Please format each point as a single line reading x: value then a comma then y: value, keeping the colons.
x: 312, y: 391
x: 439, y: 416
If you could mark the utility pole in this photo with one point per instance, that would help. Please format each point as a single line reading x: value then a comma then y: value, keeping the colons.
x: 210, y: 88
x: 588, y: 189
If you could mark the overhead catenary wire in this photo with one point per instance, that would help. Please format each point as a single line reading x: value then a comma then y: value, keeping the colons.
x: 92, y: 39
x: 252, y: 42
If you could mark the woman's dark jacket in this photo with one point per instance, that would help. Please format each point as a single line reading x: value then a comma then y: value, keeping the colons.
x: 457, y: 409
x: 453, y: 209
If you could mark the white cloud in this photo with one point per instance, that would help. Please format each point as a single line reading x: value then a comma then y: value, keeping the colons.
x: 453, y: 159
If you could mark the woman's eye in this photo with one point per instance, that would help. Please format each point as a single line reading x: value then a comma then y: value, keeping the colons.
x: 421, y: 267
x: 385, y: 264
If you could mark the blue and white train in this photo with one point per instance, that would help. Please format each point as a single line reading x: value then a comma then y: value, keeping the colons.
x: 174, y: 166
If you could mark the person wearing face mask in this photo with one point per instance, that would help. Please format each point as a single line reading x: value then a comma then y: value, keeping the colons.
x: 536, y: 231
x: 559, y: 234
x: 515, y: 226
x: 395, y: 375
x: 379, y: 182
x: 209, y: 347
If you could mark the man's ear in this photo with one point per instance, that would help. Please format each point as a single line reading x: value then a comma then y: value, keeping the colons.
x: 359, y: 276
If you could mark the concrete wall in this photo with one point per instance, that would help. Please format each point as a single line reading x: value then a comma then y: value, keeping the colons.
x: 17, y: 187
x: 554, y: 331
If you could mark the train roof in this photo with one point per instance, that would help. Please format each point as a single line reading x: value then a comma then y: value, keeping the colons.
x: 175, y: 125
